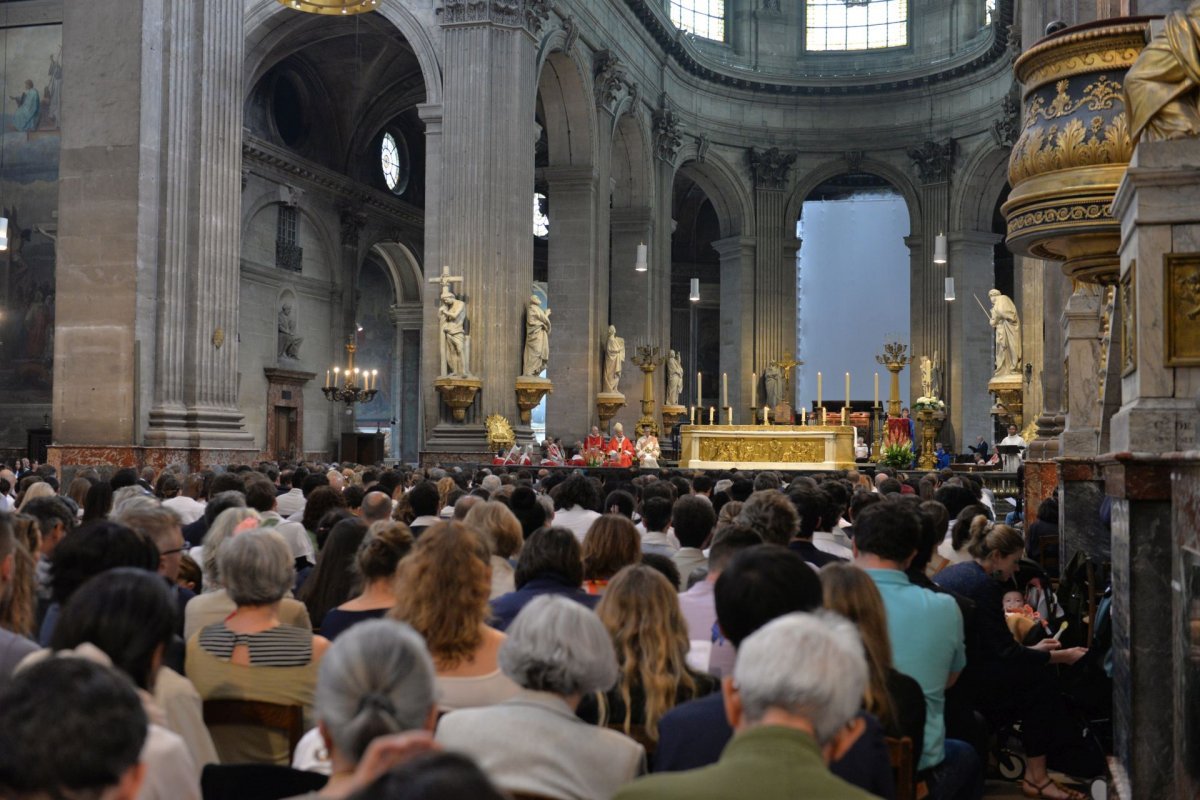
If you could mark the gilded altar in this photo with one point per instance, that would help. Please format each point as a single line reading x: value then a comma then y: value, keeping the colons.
x: 766, y: 447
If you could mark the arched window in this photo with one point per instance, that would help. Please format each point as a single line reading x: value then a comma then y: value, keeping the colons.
x: 704, y: 18
x: 855, y: 24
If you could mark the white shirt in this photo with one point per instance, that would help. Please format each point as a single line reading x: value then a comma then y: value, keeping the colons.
x: 290, y: 503
x: 576, y: 519
x: 657, y: 542
x: 188, y: 509
x: 293, y: 533
x: 1012, y: 462
x: 828, y: 543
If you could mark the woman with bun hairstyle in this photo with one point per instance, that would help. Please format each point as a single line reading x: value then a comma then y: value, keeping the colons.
x: 1003, y: 679
x: 386, y: 542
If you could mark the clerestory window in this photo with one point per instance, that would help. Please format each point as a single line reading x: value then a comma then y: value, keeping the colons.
x: 704, y: 18
x: 834, y: 25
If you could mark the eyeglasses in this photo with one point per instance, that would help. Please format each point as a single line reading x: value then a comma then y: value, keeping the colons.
x: 169, y: 552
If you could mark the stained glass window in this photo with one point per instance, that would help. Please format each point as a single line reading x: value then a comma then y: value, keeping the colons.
x: 855, y: 24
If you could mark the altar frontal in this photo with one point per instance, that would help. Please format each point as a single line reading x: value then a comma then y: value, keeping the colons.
x: 782, y: 447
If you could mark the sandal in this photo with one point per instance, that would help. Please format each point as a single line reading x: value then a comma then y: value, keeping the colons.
x: 1029, y: 790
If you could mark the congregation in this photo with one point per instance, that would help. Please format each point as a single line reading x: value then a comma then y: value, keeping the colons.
x: 323, y: 632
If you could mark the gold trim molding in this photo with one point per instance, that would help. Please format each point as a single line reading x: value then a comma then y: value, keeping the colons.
x: 1077, y: 53
x: 1181, y: 289
x: 1128, y: 300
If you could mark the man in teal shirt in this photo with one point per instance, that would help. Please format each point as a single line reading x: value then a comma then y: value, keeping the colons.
x: 926, y: 633
x: 793, y: 702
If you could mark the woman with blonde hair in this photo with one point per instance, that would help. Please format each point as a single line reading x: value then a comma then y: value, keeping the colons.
x: 444, y: 487
x: 893, y: 697
x: 611, y: 543
x: 18, y: 603
x: 502, y: 531
x: 442, y: 592
x: 641, y: 612
x: 39, y: 489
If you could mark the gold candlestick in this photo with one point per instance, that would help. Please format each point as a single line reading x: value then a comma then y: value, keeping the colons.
x: 647, y: 359
x: 895, y: 357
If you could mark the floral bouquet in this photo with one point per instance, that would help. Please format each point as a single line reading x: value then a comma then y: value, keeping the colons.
x: 897, y: 452
x: 593, y: 457
x: 931, y: 403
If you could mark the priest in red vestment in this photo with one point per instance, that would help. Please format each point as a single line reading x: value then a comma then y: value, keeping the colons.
x: 593, y: 441
x: 619, y: 449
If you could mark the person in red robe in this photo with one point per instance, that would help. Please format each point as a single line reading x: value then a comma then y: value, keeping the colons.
x: 620, y: 449
x: 593, y: 440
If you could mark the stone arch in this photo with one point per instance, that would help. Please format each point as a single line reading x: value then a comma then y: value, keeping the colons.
x: 632, y: 164
x: 404, y: 268
x: 974, y: 197
x: 726, y: 190
x: 566, y: 96
x: 899, y: 180
x: 266, y: 26
x: 328, y: 238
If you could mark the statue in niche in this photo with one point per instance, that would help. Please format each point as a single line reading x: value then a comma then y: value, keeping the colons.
x: 537, y: 338
x: 773, y: 381
x: 1004, y: 320
x: 289, y: 342
x: 674, y: 378
x: 453, y: 317
x: 614, y: 358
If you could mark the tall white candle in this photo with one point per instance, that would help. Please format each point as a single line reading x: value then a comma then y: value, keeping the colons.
x: 818, y: 390
x: 699, y: 391
x: 766, y: 415
x: 753, y: 389
x: 724, y: 390
x: 327, y: 379
x: 876, y: 388
x: 847, y: 395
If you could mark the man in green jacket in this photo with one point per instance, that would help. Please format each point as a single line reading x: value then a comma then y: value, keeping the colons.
x: 793, y: 702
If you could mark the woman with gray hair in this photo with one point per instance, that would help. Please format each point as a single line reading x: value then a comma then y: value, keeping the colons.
x: 376, y: 679
x: 557, y: 651
x: 251, y: 654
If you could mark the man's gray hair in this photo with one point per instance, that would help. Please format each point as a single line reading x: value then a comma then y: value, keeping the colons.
x: 256, y: 567
x: 490, y: 482
x: 128, y: 498
x: 155, y: 521
x: 809, y: 665
x: 557, y: 645
x: 375, y: 679
x: 220, y: 531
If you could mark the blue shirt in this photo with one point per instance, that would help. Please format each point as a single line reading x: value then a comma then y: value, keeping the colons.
x: 926, y: 632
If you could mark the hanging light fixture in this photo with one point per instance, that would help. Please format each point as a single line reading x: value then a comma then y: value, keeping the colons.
x: 694, y: 295
x: 949, y: 288
x: 345, y: 7
x: 640, y: 265
x: 350, y: 385
x: 939, y: 249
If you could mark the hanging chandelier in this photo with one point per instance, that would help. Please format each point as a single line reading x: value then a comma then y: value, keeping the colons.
x: 343, y: 386
x: 331, y: 6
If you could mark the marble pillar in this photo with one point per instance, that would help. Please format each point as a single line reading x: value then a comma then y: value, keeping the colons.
x: 738, y: 358
x: 1185, y: 622
x: 1046, y: 291
x: 967, y: 362
x: 930, y: 312
x: 629, y: 304
x: 575, y: 301
x: 484, y: 190
x: 1081, y: 334
x: 774, y: 314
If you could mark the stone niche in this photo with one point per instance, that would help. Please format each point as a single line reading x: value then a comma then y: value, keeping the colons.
x: 285, y: 413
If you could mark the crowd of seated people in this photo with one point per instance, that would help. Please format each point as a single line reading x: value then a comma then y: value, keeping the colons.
x: 319, y: 631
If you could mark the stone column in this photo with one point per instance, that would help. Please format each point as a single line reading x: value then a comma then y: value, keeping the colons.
x: 1154, y: 518
x: 969, y: 357
x: 737, y: 255
x: 406, y: 399
x: 774, y: 311
x: 630, y: 298
x: 431, y: 406
x: 930, y: 316
x: 574, y: 301
x: 485, y: 187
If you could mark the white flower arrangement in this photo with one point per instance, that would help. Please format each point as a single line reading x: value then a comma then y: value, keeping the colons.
x: 929, y: 402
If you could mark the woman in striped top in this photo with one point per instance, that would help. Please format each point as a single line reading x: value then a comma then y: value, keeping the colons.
x: 251, y: 655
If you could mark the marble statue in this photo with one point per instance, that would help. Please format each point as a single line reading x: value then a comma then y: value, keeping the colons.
x: 614, y: 358
x: 773, y: 381
x: 537, y: 338
x: 1004, y: 319
x: 674, y: 378
x: 926, y: 376
x: 452, y: 314
x: 289, y: 342
x: 1163, y: 86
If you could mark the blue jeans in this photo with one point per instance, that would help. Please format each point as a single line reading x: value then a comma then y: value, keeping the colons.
x: 959, y: 776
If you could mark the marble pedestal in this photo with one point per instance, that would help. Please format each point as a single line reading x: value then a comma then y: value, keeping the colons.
x: 1079, y: 522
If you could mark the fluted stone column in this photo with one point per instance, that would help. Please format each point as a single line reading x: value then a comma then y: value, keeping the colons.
x: 738, y: 324
x: 574, y: 300
x: 929, y: 316
x: 968, y: 358
x: 485, y: 190
x: 431, y: 115
x: 774, y: 312
x: 1043, y: 308
x: 630, y: 302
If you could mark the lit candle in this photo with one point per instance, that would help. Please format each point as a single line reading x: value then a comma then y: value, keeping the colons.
x: 876, y: 388
x: 818, y: 390
x: 712, y: 410
x: 375, y: 379
x: 804, y: 416
x: 724, y: 389
x: 846, y: 410
x: 326, y: 379
x: 699, y: 392
x: 337, y: 371
x: 766, y: 415
x: 753, y: 389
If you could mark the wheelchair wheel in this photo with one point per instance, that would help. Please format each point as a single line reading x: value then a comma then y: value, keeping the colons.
x: 1011, y: 764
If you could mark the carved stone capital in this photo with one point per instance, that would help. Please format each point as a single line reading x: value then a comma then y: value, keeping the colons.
x: 353, y: 220
x: 667, y: 136
x: 537, y: 14
x: 615, y: 92
x: 1007, y: 129
x: 770, y: 167
x: 934, y: 160
x: 571, y: 32
x: 515, y: 13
